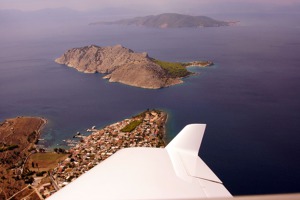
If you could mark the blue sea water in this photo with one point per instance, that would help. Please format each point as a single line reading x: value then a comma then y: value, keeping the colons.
x: 249, y: 99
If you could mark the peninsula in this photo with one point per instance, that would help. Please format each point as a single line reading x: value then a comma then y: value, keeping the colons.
x: 18, y: 137
x: 146, y: 129
x: 28, y: 171
x: 123, y: 65
x: 169, y: 20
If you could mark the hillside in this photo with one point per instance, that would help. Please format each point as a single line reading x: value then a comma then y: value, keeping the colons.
x: 18, y: 137
x: 169, y: 20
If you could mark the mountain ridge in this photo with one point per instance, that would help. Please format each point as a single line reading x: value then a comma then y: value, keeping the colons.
x: 169, y: 20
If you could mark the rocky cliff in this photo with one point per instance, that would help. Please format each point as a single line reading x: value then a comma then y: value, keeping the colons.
x: 120, y: 64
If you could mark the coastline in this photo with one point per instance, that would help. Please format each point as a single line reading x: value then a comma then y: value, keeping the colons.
x: 199, y: 64
x: 146, y: 129
x: 38, y: 128
x: 133, y: 69
x: 44, y: 123
x: 164, y: 130
x: 18, y: 138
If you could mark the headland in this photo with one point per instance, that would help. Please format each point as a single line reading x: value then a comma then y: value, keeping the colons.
x: 146, y: 129
x: 123, y: 65
x: 18, y: 138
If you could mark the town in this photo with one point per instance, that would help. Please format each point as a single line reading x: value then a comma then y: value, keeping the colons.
x: 144, y: 130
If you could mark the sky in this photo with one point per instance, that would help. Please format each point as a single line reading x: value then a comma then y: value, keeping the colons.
x: 159, y: 5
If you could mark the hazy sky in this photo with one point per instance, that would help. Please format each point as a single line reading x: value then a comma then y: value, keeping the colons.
x: 161, y: 5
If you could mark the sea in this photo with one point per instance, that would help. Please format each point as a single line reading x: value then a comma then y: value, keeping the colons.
x: 249, y: 99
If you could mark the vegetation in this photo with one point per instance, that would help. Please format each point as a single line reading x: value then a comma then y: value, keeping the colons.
x: 143, y: 114
x: 28, y: 173
x: 32, y: 137
x: 17, y: 136
x: 41, y: 173
x: 131, y: 126
x: 174, y: 69
x: 46, y: 160
x: 59, y: 150
x: 10, y: 147
x: 29, y: 180
x: 198, y: 63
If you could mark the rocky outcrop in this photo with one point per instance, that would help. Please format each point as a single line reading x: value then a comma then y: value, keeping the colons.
x: 120, y: 64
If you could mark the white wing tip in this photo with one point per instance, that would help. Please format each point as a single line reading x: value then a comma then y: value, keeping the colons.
x: 188, y: 139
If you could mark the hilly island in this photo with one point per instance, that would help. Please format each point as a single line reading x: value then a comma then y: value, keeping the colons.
x: 125, y: 66
x: 169, y: 20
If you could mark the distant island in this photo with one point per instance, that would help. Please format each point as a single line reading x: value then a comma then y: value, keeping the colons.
x: 123, y: 65
x: 169, y: 20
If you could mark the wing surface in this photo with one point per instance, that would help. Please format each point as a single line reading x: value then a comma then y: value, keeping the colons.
x: 175, y: 172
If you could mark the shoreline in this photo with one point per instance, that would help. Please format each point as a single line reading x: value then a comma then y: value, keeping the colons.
x: 39, y: 129
x: 146, y: 129
x: 200, y: 64
x: 164, y: 131
x: 18, y: 137
x: 134, y: 69
x: 44, y: 123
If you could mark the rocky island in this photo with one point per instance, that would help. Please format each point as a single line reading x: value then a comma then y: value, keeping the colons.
x: 123, y: 65
x: 169, y: 20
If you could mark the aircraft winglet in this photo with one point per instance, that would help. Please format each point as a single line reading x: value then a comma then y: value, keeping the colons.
x: 188, y: 139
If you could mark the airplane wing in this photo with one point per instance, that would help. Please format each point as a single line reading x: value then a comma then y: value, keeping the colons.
x: 174, y: 172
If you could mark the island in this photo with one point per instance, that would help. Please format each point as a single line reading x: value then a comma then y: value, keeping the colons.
x: 123, y: 65
x: 169, y: 20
